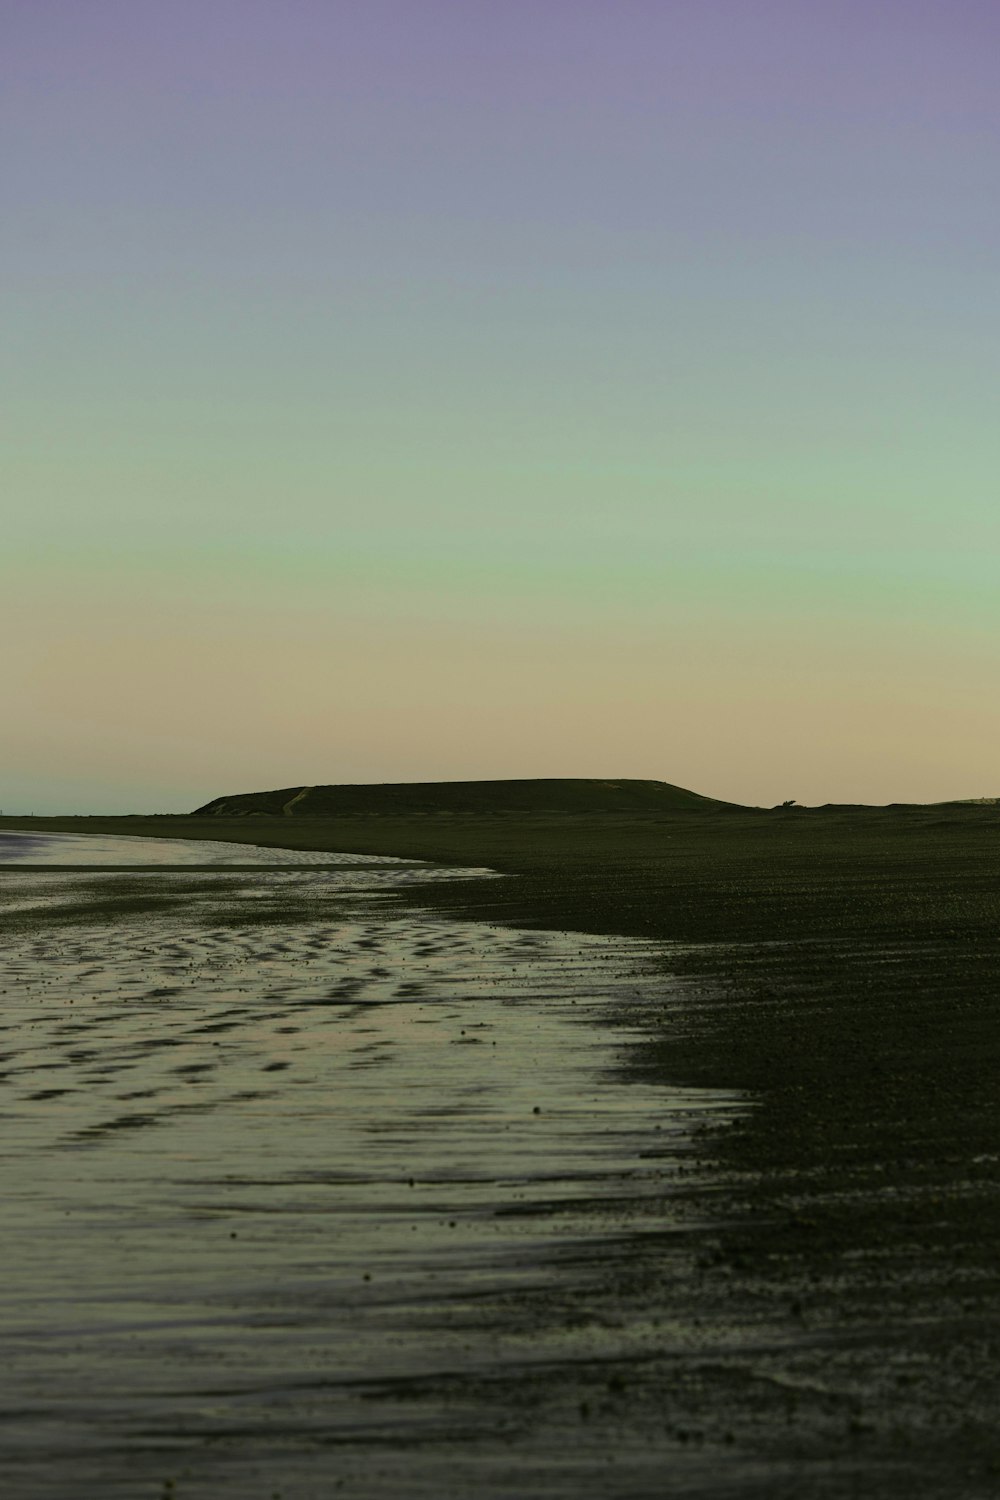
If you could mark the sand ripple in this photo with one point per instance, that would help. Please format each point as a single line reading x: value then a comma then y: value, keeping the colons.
x: 275, y: 1190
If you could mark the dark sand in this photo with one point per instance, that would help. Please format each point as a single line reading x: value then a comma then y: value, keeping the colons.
x: 825, y: 1299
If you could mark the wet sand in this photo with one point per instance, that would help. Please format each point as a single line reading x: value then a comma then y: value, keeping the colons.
x: 306, y: 1193
x: 826, y: 1323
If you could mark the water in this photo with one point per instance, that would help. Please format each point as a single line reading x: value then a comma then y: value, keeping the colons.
x: 291, y: 1177
x: 122, y: 850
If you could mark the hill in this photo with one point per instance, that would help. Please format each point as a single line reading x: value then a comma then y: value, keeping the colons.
x: 571, y: 795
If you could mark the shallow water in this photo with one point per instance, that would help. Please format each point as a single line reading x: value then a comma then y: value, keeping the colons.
x: 278, y: 1193
x: 69, y: 849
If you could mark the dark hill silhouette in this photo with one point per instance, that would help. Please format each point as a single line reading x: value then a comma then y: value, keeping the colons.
x: 565, y: 795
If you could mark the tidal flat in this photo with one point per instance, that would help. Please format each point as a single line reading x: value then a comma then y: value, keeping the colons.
x: 303, y: 1191
x: 804, y: 1302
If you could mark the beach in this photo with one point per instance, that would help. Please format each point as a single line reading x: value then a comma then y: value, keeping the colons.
x: 788, y: 1289
x: 304, y: 1189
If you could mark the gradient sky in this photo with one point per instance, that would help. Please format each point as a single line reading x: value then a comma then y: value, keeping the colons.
x: 417, y: 389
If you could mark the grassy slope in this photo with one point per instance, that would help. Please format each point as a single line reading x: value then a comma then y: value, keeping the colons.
x: 855, y: 992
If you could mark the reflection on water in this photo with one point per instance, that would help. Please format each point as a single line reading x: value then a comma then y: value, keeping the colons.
x: 17, y: 848
x: 267, y: 1183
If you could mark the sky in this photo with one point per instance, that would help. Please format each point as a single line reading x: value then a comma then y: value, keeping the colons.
x: 432, y: 389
